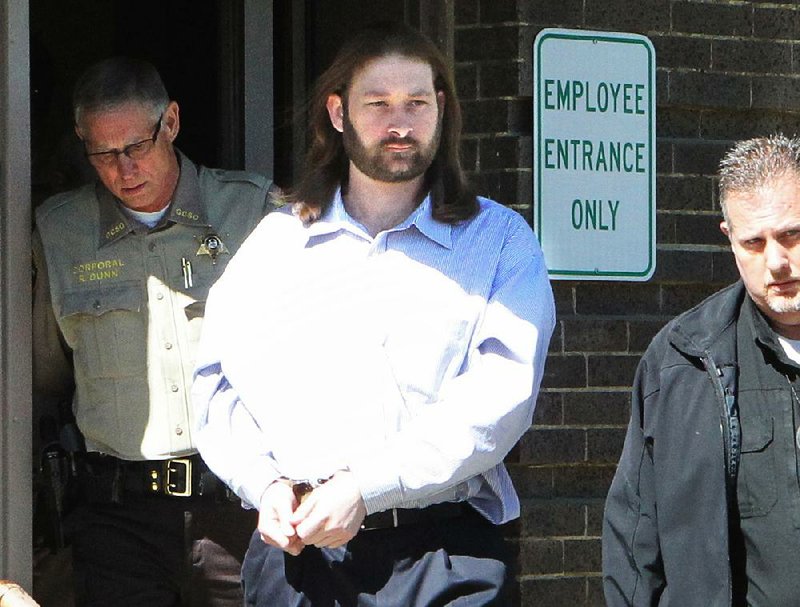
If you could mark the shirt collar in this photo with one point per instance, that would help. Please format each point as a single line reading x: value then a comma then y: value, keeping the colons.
x: 336, y: 218
x: 114, y: 223
x: 422, y: 218
x: 187, y: 206
x: 764, y: 334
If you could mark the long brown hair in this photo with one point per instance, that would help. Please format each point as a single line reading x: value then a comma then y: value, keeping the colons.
x: 327, y: 163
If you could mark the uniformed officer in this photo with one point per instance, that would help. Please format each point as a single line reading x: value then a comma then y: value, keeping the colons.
x: 123, y: 269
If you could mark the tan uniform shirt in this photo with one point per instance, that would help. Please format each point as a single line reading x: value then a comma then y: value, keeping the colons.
x: 128, y: 302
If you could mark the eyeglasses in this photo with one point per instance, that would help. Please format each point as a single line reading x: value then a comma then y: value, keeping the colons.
x: 134, y: 151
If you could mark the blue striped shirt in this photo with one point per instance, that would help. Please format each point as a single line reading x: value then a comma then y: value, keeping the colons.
x: 412, y: 359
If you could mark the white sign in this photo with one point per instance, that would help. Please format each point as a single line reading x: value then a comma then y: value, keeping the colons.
x: 594, y: 154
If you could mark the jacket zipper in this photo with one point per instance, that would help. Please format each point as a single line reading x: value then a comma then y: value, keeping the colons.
x: 730, y: 438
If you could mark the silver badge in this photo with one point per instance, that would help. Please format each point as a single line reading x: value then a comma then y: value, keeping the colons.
x: 212, y: 246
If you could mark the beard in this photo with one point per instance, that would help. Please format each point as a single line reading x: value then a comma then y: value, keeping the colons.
x: 783, y: 304
x: 381, y: 164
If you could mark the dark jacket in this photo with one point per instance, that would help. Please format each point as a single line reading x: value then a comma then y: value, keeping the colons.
x: 665, y: 531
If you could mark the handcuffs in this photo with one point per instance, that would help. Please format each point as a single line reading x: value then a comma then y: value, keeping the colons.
x: 302, y: 488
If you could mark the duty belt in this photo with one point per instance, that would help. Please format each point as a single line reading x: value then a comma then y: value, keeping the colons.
x: 181, y: 477
x: 170, y: 476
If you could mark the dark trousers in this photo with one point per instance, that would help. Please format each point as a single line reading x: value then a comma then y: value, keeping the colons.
x: 461, y: 561
x: 158, y: 551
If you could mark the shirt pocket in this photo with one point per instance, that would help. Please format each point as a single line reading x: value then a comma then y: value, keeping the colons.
x: 197, y: 276
x: 195, y: 312
x: 756, y: 486
x: 106, y: 328
x: 204, y: 274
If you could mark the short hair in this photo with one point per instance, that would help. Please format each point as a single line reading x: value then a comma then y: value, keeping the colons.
x: 117, y: 81
x: 753, y: 163
x: 327, y: 163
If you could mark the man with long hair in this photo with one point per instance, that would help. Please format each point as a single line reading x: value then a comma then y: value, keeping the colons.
x: 374, y: 351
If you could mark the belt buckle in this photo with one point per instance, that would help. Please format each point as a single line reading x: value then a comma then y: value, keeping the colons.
x: 178, y: 477
x: 380, y: 520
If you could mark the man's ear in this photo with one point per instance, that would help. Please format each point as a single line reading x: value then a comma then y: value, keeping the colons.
x: 335, y: 108
x: 171, y: 121
x: 723, y: 225
x: 440, y: 100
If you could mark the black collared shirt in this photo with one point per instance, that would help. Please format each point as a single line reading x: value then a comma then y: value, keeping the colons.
x: 768, y: 486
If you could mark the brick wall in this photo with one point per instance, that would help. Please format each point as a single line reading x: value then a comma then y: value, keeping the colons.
x: 726, y: 70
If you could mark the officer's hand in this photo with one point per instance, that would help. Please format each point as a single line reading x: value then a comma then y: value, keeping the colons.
x: 331, y: 515
x: 274, y: 518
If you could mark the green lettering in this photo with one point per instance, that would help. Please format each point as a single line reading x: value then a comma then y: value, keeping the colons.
x: 589, y: 107
x: 602, y: 97
x: 563, y: 94
x: 616, y: 161
x: 574, y: 143
x: 591, y: 214
x: 548, y: 152
x: 627, y: 165
x: 639, y: 98
x: 627, y: 98
x: 613, y: 207
x: 548, y: 93
x: 615, y: 94
x: 600, y: 224
x: 601, y: 157
x: 640, y: 158
x: 577, y: 220
x: 577, y: 92
x: 587, y: 155
x: 563, y: 153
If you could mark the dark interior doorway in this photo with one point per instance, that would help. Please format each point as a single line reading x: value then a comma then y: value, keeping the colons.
x: 307, y: 36
x: 180, y: 37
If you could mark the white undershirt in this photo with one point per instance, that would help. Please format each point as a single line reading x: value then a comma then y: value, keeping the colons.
x: 148, y: 219
x: 791, y: 347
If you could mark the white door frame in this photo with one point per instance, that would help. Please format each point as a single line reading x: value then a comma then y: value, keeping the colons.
x: 15, y: 295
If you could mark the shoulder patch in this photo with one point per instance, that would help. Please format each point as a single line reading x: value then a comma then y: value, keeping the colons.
x: 240, y: 176
x: 58, y: 201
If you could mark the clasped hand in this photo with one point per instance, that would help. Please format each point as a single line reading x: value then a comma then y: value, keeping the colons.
x: 328, y: 517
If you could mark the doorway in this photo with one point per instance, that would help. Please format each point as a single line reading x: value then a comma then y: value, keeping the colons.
x: 181, y: 38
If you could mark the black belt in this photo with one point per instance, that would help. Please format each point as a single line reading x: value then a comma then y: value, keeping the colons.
x: 399, y: 517
x: 180, y: 477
